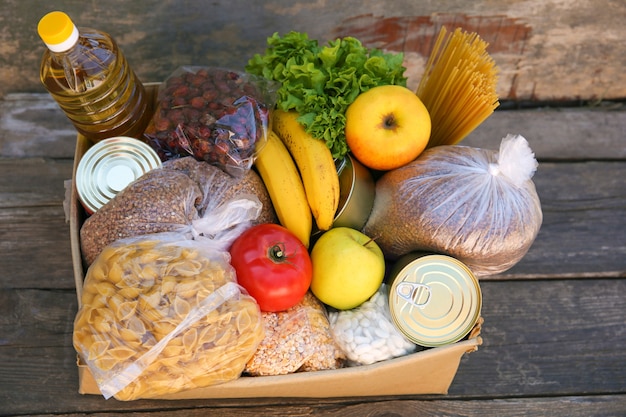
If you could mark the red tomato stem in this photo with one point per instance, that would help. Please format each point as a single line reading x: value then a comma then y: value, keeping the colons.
x: 277, y: 252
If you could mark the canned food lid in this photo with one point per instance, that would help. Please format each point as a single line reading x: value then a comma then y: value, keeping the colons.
x: 435, y: 300
x: 109, y: 166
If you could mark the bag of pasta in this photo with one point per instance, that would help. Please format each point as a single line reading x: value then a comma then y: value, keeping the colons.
x: 162, y: 313
x: 478, y: 206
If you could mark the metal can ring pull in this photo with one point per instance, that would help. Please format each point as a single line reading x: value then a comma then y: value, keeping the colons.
x: 416, y: 294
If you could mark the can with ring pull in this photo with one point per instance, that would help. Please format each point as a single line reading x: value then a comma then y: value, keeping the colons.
x: 434, y: 299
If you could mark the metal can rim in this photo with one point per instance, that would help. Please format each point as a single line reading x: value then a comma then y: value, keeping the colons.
x: 472, y: 316
x: 108, y: 166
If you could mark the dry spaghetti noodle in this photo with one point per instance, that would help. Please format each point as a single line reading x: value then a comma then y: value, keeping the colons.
x: 458, y: 87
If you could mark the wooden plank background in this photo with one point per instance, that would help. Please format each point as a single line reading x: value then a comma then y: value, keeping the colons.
x: 554, y: 324
x: 580, y: 182
x: 547, y: 50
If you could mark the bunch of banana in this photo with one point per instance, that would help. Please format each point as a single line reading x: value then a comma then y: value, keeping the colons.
x: 285, y: 188
x: 316, y: 165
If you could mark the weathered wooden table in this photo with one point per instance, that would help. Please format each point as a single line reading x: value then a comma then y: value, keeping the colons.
x: 555, y: 324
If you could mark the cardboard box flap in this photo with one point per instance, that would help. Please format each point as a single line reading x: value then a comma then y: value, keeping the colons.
x: 430, y: 371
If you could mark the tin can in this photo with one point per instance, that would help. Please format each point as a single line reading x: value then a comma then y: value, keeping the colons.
x: 109, y: 166
x: 434, y: 299
x: 357, y: 192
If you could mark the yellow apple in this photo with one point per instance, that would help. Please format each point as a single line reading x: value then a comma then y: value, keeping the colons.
x: 348, y: 268
x: 387, y: 127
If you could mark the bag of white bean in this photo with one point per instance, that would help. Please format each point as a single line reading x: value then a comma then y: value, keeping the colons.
x: 366, y: 334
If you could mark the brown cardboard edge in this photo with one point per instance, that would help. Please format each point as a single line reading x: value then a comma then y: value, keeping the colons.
x: 427, y: 372
x: 76, y: 220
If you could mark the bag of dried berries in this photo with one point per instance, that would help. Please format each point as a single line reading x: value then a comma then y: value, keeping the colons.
x: 213, y: 114
x: 478, y: 206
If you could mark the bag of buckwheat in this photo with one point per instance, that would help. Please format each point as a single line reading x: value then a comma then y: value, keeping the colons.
x: 478, y: 206
x: 169, y: 198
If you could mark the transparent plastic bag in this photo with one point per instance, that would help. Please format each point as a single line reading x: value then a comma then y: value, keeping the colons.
x: 170, y: 198
x: 297, y: 339
x: 366, y: 334
x: 213, y: 114
x: 478, y: 206
x: 162, y: 313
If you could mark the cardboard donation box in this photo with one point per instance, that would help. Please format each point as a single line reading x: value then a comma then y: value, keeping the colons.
x: 429, y: 371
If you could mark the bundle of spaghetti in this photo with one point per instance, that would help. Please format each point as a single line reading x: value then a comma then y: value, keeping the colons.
x: 458, y: 86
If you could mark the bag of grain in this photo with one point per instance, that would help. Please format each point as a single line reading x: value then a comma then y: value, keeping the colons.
x: 478, y: 206
x: 170, y: 198
x: 296, y: 340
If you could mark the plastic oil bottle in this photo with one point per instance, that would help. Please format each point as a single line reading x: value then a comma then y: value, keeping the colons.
x: 88, y: 76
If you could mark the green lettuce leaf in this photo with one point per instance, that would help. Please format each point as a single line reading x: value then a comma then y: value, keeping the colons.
x: 320, y: 82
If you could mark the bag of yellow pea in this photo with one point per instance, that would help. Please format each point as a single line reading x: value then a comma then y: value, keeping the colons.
x: 162, y: 313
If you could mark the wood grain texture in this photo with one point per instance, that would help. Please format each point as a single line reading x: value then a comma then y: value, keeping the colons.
x: 541, y: 339
x: 34, y: 245
x: 554, y: 324
x: 584, y: 218
x: 547, y: 50
x: 32, y: 125
x: 583, y: 203
x: 558, y: 134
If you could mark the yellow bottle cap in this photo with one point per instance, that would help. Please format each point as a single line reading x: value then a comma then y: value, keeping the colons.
x: 56, y: 28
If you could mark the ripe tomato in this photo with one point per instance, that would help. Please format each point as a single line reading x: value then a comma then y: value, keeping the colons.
x: 273, y: 265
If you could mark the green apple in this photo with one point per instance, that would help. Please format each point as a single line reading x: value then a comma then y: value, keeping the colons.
x: 348, y: 268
